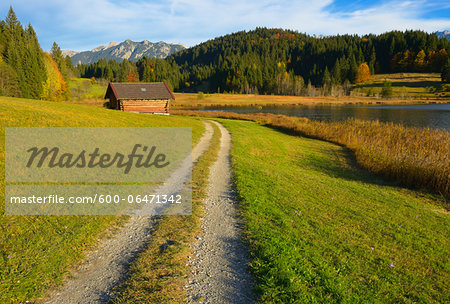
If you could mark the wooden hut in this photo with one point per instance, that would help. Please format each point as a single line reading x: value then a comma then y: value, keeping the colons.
x: 140, y: 97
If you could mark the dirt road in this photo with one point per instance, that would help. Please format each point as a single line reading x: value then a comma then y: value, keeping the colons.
x: 106, y: 266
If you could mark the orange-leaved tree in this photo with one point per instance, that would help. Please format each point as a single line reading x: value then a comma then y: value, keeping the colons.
x: 132, y: 77
x: 54, y: 88
x: 420, y: 61
x: 362, y: 73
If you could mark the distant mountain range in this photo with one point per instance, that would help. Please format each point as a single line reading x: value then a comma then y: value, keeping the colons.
x: 445, y: 34
x: 128, y: 49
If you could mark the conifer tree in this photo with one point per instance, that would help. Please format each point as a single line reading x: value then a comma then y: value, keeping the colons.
x: 445, y: 75
x: 11, y: 21
x: 337, y: 73
x: 71, y: 71
x: 9, y: 84
x: 23, y: 54
x: 58, y: 57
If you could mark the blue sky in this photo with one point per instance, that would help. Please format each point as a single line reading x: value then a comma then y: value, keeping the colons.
x: 85, y: 24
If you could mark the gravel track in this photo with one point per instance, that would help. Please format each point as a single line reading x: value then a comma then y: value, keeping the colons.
x: 106, y: 266
x: 219, y: 266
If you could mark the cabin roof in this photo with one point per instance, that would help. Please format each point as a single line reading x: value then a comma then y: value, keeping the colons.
x: 139, y: 91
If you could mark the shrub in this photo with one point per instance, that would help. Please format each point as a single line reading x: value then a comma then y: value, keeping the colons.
x: 386, y: 91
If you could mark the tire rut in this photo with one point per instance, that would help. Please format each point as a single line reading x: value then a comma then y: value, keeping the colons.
x: 219, y: 266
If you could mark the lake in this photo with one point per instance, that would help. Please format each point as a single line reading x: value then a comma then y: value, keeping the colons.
x: 422, y: 116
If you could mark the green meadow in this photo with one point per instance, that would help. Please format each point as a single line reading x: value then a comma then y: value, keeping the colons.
x: 406, y: 85
x: 321, y: 230
x: 36, y: 251
x: 85, y: 88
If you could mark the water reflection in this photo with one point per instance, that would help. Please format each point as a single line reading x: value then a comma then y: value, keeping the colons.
x: 423, y: 116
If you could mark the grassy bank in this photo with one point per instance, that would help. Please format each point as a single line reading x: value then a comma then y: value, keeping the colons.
x: 35, y: 251
x: 85, y: 88
x: 414, y: 157
x: 323, y: 231
x: 160, y: 272
x: 191, y: 100
x: 406, y: 85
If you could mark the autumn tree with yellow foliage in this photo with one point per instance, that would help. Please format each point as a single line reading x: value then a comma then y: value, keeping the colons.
x: 54, y: 87
x: 420, y: 62
x: 362, y: 73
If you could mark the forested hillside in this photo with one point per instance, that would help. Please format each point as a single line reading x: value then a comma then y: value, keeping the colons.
x: 25, y: 70
x: 275, y: 61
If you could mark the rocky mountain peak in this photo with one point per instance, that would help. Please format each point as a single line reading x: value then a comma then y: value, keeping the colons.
x: 128, y: 49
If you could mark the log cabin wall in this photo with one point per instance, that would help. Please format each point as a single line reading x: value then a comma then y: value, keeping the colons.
x: 145, y: 106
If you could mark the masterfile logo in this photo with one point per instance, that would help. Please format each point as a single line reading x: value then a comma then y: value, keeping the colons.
x: 142, y: 171
x: 113, y: 155
x: 55, y: 158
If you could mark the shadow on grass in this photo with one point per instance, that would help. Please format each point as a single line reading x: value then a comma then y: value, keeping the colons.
x: 406, y: 84
x: 345, y: 167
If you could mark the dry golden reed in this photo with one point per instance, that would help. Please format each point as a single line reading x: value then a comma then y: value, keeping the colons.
x: 414, y: 157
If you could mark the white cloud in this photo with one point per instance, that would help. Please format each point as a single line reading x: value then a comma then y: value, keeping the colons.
x: 84, y: 24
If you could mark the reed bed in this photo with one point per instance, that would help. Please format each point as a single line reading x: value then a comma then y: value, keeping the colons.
x: 414, y: 157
